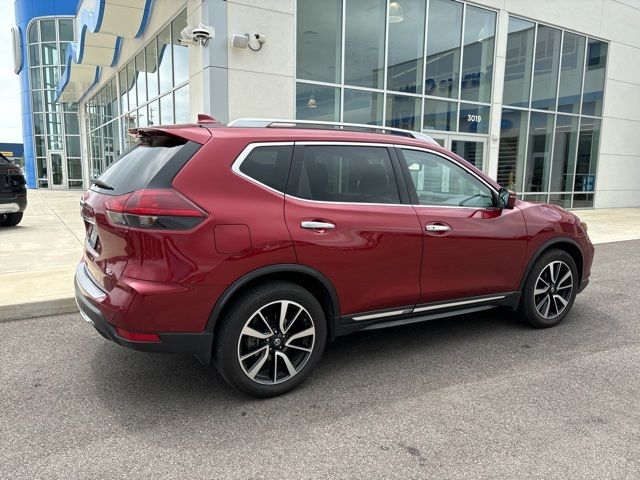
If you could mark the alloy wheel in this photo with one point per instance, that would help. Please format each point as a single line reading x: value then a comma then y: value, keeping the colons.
x: 553, y: 289
x: 276, y: 342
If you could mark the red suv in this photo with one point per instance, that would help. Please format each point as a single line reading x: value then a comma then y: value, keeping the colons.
x: 252, y: 244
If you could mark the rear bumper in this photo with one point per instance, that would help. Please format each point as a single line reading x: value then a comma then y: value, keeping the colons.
x: 13, y: 203
x: 197, y: 344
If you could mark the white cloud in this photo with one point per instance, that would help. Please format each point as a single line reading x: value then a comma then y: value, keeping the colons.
x: 10, y: 110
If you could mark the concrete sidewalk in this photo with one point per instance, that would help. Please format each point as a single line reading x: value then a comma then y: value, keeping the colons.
x: 38, y: 257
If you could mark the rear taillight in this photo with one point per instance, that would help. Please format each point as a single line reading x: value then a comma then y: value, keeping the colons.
x: 163, y: 209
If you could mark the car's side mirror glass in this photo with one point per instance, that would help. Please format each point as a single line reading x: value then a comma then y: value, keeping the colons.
x: 506, y: 198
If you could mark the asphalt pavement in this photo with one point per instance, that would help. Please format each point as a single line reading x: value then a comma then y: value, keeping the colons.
x: 478, y: 396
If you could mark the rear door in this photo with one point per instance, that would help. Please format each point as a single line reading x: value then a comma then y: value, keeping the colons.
x: 350, y: 220
x: 471, y: 248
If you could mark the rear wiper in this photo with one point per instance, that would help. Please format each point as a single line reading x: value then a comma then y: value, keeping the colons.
x: 99, y: 183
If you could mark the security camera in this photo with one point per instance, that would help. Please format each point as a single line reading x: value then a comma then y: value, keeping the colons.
x: 199, y: 35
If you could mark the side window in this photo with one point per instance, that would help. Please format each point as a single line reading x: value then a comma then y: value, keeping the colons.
x: 333, y: 173
x: 442, y: 182
x: 269, y: 165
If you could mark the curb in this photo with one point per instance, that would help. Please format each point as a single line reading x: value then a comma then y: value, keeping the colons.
x: 23, y: 311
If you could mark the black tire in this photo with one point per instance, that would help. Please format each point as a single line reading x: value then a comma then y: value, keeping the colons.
x: 231, y: 343
x: 527, y: 310
x: 10, y: 219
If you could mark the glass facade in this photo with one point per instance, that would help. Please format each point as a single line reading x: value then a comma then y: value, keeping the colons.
x: 413, y: 64
x: 428, y: 65
x: 151, y: 89
x: 56, y: 132
x: 552, y: 104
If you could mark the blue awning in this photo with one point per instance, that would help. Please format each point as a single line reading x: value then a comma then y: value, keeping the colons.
x: 100, y: 28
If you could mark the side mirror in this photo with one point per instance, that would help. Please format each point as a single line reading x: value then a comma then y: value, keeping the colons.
x: 507, y: 198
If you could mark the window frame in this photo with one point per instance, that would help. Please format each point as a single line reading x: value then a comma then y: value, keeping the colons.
x: 413, y: 194
x: 298, y: 158
x: 246, y: 151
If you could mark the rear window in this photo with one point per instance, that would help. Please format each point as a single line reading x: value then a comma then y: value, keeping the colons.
x: 137, y: 167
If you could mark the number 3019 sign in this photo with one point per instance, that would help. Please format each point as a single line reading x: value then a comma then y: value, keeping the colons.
x: 474, y: 118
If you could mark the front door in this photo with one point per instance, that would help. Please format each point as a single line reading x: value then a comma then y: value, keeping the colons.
x: 473, y: 148
x: 57, y: 169
x: 471, y: 248
x: 349, y: 221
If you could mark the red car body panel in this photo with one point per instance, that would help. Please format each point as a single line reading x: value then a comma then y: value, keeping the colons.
x: 470, y: 259
x: 372, y: 257
x: 378, y: 257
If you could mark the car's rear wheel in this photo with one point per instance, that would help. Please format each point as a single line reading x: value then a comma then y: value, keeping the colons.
x: 10, y: 219
x: 270, y: 339
x: 550, y: 289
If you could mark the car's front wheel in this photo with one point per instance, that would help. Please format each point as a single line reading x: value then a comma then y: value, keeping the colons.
x: 270, y: 339
x: 10, y: 219
x: 550, y: 289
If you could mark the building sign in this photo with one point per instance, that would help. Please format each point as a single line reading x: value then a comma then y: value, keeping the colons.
x: 17, y: 51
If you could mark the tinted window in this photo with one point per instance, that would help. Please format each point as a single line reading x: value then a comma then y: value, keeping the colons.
x: 135, y: 169
x: 441, y: 182
x: 347, y: 174
x: 269, y: 165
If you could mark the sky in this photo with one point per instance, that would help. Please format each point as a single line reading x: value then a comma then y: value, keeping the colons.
x: 11, y: 115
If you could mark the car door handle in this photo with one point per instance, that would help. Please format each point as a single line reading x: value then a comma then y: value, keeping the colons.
x: 437, y: 228
x: 314, y: 225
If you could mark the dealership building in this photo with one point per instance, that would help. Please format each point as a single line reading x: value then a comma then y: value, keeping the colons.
x: 543, y: 96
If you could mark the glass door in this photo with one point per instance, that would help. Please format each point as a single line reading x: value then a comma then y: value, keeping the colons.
x: 57, y: 168
x: 472, y: 148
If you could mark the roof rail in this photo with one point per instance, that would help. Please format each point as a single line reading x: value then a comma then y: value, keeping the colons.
x: 354, y: 127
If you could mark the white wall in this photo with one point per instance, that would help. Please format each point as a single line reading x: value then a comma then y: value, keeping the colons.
x: 261, y: 84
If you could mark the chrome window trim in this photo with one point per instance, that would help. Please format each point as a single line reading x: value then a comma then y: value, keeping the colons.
x: 235, y: 167
x: 237, y: 163
x: 328, y: 202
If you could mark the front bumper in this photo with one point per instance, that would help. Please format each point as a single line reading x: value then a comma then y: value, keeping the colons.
x: 196, y: 344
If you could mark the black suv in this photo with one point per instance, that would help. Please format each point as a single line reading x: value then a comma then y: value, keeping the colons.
x: 13, y: 193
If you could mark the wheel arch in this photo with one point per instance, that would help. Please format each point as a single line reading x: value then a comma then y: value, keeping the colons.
x: 567, y: 244
x: 309, y: 278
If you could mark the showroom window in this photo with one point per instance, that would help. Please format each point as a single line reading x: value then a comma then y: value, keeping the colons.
x: 56, y: 131
x: 150, y: 89
x: 552, y: 104
x: 412, y: 64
